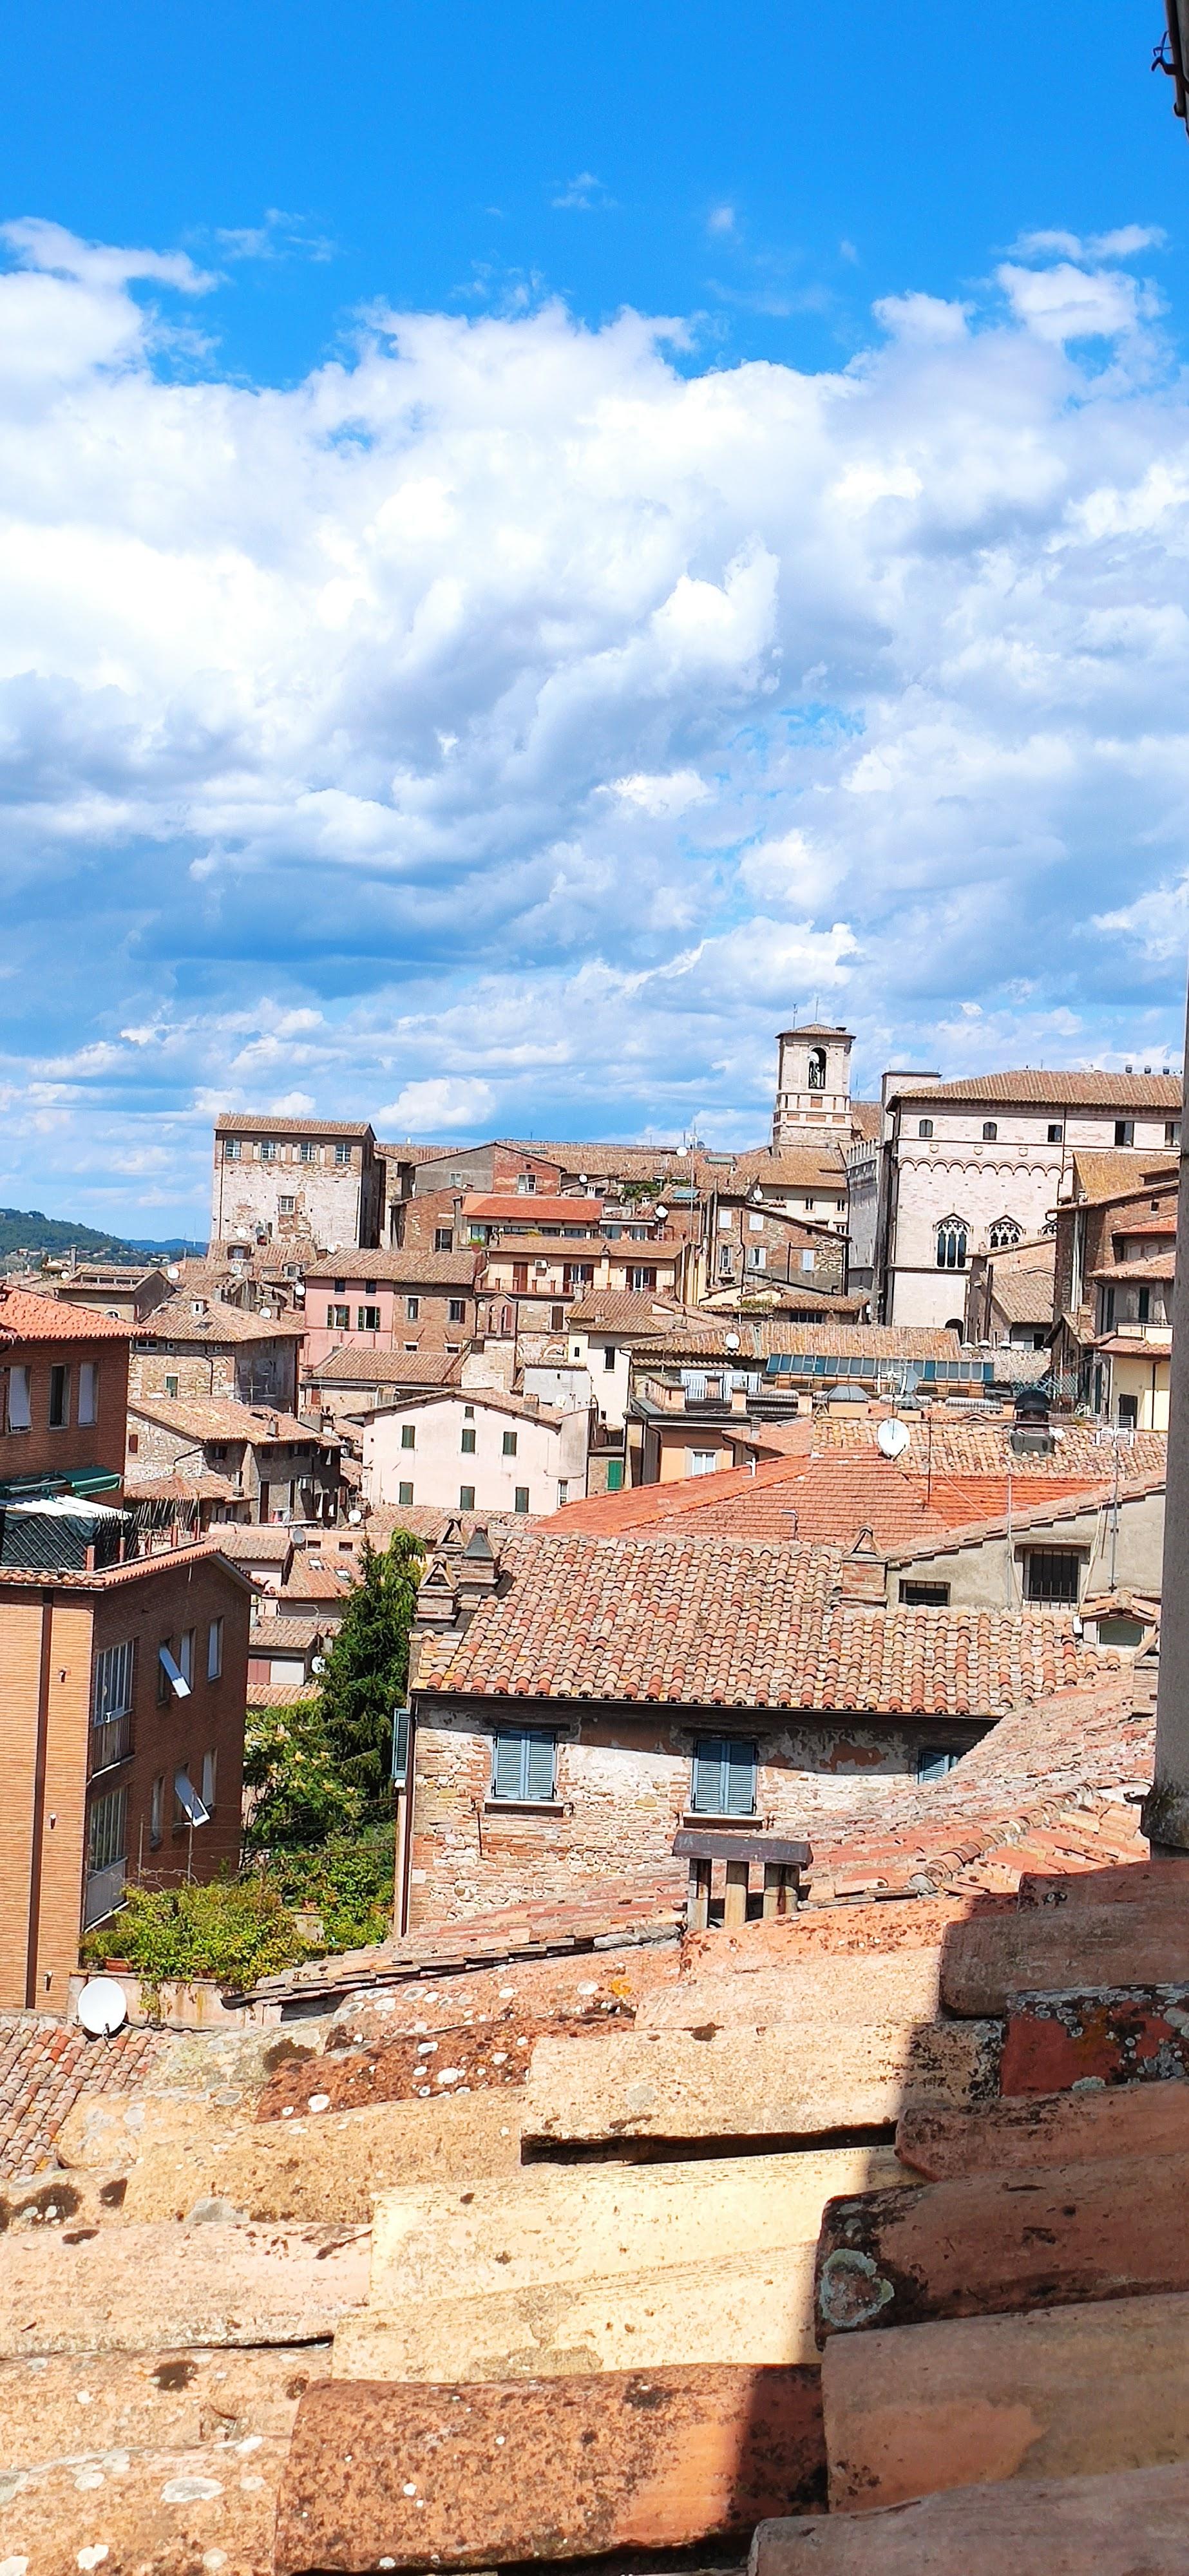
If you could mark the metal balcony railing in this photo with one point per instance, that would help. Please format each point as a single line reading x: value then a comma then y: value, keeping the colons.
x: 104, y: 1893
x: 111, y: 1742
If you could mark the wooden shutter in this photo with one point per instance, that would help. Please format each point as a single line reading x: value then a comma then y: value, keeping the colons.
x: 506, y: 1764
x: 707, y: 1791
x: 538, y: 1769
x: 739, y: 1779
x: 400, y: 1747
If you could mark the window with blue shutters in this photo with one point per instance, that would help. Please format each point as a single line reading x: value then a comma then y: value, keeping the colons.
x: 523, y: 1765
x: 400, y: 1748
x: 724, y: 1776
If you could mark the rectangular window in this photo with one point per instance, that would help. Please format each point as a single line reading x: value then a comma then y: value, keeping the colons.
x: 210, y: 1768
x: 924, y: 1126
x: 408, y: 1435
x: 133, y: 1443
x: 723, y: 1781
x: 725, y: 1220
x: 509, y: 1444
x: 456, y: 1311
x: 286, y: 1204
x: 368, y: 1319
x: 703, y: 1462
x: 107, y: 1830
x: 924, y: 1596
x: 1124, y: 1131
x: 1051, y: 1576
x: 1143, y: 1306
x: 342, y: 1156
x: 404, y: 1494
x: 641, y: 1279
x: 990, y: 1131
x: 755, y: 1224
x: 412, y: 1309
x: 340, y: 1287
x: 807, y: 1260
x: 59, y: 1398
x: 171, y: 1385
x: 563, y: 1490
x: 934, y: 1761
x: 1056, y: 1131
x: 214, y: 1651
x: 111, y: 1689
x: 305, y: 1151
x: 524, y: 1765
x: 609, y: 1356
x: 757, y: 1256
x: 338, y: 1318
x: 1128, y: 1421
x: 466, y: 1498
x: 186, y: 1656
x: 468, y: 1440
x: 443, y: 1238
x: 88, y: 1392
x: 171, y: 1680
x: 1172, y: 1131
x: 520, y: 1278
x: 20, y: 1417
x: 521, y: 1504
x: 557, y: 1319
x: 267, y: 1150
x: 468, y: 1413
x: 157, y: 1811
x: 232, y: 1149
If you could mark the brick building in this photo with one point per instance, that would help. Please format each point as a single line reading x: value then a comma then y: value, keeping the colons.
x: 197, y: 1346
x: 63, y: 1396
x: 402, y: 1300
x: 577, y: 1700
x: 118, y: 1764
x: 279, y: 1178
x: 280, y: 1466
x: 113, y: 1288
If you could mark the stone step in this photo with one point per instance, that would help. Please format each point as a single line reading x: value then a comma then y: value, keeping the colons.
x: 148, y: 2288
x: 587, y: 2224
x: 111, y: 2130
x: 754, y: 2309
x: 744, y: 2083
x: 990, y: 2243
x: 328, y: 2166
x: 1045, y: 2129
x: 1055, y: 1951
x: 1134, y: 2524
x: 484, y: 2476
x: 160, y: 2513
x: 1060, y: 2393
x: 1055, y: 2041
x: 903, y: 1987
x: 51, y: 2408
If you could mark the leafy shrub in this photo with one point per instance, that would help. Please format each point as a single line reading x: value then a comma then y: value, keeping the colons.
x: 302, y: 1796
x: 347, y: 1880
x: 232, y: 1929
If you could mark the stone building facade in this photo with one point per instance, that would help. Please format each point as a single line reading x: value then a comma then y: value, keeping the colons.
x: 391, y: 1301
x: 280, y: 1467
x: 281, y: 1178
x: 812, y: 1084
x: 198, y: 1346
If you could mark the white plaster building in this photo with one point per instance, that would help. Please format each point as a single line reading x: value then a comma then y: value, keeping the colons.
x: 974, y: 1166
x: 474, y: 1452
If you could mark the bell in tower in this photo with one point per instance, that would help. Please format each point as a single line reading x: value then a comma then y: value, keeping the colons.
x: 813, y: 1086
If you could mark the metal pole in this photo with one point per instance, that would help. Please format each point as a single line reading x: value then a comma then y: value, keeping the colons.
x: 1164, y: 1816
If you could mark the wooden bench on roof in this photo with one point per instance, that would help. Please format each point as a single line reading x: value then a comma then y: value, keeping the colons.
x: 783, y: 1862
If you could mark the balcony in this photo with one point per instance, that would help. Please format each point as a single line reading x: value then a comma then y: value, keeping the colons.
x: 110, y: 1742
x: 104, y: 1893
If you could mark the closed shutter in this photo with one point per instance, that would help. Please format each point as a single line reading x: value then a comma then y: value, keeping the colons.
x: 740, y: 1779
x: 724, y: 1777
x: 707, y: 1792
x: 505, y: 1769
x: 539, y: 1766
x: 400, y: 1747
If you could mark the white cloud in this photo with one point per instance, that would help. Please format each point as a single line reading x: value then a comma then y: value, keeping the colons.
x: 449, y: 1100
x: 583, y: 194
x: 721, y: 220
x: 1124, y: 243
x: 509, y: 728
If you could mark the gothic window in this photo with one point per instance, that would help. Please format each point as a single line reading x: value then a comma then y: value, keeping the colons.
x: 1004, y: 1233
x: 817, y: 1069
x: 951, y: 1243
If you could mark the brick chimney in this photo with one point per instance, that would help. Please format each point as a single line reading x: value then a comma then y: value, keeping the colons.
x: 454, y: 1584
x: 863, y: 1575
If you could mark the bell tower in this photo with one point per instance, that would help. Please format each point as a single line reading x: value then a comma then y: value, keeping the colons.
x: 812, y: 1086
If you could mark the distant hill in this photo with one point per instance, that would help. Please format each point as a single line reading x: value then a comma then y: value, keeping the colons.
x: 27, y: 1230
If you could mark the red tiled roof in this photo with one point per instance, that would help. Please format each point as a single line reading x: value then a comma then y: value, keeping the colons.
x: 726, y: 1625
x: 28, y: 1317
x: 138, y: 1569
x: 424, y: 1366
x: 263, y: 1123
x: 1159, y: 1265
x: 510, y: 1206
x: 625, y: 1310
x: 222, y: 1418
x: 416, y: 1269
x: 1031, y: 1086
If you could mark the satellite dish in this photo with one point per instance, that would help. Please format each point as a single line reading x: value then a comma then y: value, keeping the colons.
x: 893, y: 1438
x: 102, y: 2007
x: 730, y: 1341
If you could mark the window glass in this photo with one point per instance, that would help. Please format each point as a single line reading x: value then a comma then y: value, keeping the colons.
x: 468, y: 1440
x: 510, y: 1444
x: 186, y: 1656
x: 924, y: 1126
x: 404, y: 1493
x: 111, y: 1689
x: 412, y: 1309
x: 210, y: 1766
x: 20, y: 1417
x: 59, y: 1398
x: 88, y: 1392
x: 951, y: 1244
x: 214, y: 1650
x: 466, y: 1498
x: 522, y: 1498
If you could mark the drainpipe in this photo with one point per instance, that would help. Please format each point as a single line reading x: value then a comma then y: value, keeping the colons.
x: 1164, y: 1817
x: 40, y: 1761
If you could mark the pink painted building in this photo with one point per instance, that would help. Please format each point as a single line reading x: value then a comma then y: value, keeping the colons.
x: 390, y: 1301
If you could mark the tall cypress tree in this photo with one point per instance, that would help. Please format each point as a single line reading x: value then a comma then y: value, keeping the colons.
x: 367, y: 1668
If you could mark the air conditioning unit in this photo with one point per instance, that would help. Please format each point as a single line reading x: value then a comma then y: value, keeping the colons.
x: 540, y: 1265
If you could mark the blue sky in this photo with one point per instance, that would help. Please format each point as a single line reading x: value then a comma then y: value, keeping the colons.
x: 538, y: 541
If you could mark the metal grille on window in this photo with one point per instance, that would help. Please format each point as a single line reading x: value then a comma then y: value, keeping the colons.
x: 522, y: 1766
x: 724, y: 1777
x: 1052, y: 1575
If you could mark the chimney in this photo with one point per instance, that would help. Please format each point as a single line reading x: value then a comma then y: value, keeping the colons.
x: 738, y: 1399
x: 863, y: 1575
x: 476, y: 1573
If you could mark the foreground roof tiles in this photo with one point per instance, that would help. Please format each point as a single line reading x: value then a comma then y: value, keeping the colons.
x: 722, y: 1624
x: 27, y: 1317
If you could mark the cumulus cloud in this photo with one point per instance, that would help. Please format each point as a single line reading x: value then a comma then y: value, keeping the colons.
x: 509, y: 727
x: 583, y: 194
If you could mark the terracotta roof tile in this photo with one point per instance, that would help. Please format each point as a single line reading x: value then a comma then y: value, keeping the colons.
x: 221, y: 1418
x: 29, y: 1317
x: 1032, y: 1086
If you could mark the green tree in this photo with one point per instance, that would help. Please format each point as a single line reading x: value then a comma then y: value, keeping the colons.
x: 301, y: 1794
x: 367, y: 1669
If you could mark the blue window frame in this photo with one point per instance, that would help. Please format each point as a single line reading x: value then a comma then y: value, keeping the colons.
x: 724, y: 1776
x: 523, y: 1765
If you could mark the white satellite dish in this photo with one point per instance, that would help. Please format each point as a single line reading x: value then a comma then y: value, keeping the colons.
x: 893, y: 1438
x: 102, y: 2007
x: 730, y: 1341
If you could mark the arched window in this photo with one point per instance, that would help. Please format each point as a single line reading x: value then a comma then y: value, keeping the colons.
x: 951, y: 1243
x: 817, y: 1068
x: 1004, y: 1233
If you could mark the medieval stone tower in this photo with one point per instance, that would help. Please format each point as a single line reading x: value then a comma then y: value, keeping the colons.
x: 812, y: 1086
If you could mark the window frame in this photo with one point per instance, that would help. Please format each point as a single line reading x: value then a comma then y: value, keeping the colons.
x: 730, y: 1756
x: 925, y: 1128
x: 404, y: 1496
x: 214, y: 1650
x: 952, y: 1230
x: 58, y: 1403
x: 1044, y: 1595
x: 527, y: 1748
x: 466, y: 1498
x: 520, y: 1502
x: 87, y: 1409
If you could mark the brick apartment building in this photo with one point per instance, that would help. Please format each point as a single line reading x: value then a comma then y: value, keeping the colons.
x: 403, y: 1300
x: 107, y: 1758
x: 63, y: 1396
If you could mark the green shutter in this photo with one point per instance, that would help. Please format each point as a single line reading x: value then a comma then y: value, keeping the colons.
x: 400, y: 1747
x: 538, y: 1769
x: 707, y: 1793
x: 739, y: 1779
x: 505, y: 1764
